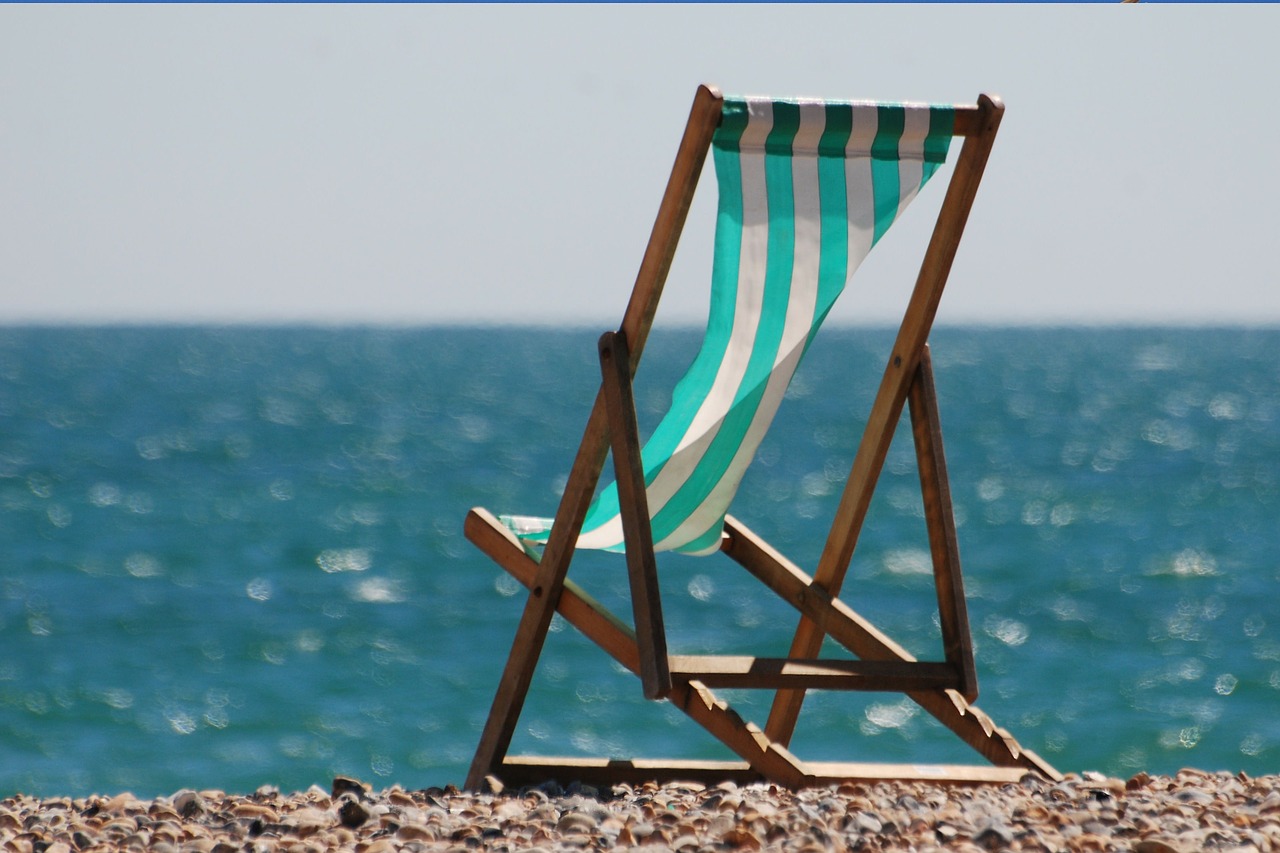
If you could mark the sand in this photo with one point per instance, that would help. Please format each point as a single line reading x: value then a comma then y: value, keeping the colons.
x: 1190, y: 811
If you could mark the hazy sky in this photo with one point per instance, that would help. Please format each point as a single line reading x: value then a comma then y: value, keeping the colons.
x: 425, y: 164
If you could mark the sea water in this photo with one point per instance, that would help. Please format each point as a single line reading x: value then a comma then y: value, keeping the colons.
x: 233, y: 557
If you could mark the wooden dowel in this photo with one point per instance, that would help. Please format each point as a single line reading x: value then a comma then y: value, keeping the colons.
x: 953, y: 611
x: 633, y: 506
x: 745, y: 672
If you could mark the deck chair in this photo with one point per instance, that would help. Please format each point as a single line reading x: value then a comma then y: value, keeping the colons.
x: 806, y: 188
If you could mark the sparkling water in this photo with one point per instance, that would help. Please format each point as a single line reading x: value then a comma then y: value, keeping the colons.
x: 234, y: 556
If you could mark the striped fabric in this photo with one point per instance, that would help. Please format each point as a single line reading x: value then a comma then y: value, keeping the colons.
x: 806, y: 189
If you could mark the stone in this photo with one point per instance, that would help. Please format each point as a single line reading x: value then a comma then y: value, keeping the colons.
x: 1192, y: 795
x: 351, y: 814
x: 1155, y: 845
x: 415, y: 832
x: 509, y: 810
x: 347, y: 785
x: 118, y: 804
x: 868, y: 824
x: 188, y: 803
x: 400, y: 798
x: 1155, y: 814
x: 720, y: 824
x: 741, y: 839
x: 253, y: 810
x: 994, y: 837
x: 576, y: 822
x: 379, y: 845
x: 579, y: 789
x: 309, y: 820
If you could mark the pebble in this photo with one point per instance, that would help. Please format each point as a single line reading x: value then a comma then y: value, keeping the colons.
x: 345, y: 784
x: 188, y: 804
x: 352, y: 814
x: 1189, y: 811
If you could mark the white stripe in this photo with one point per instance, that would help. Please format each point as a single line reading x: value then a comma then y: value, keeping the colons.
x: 802, y: 299
x: 860, y: 194
x: 911, y: 156
x: 746, y: 317
x: 910, y: 173
x: 915, y: 130
x: 813, y: 121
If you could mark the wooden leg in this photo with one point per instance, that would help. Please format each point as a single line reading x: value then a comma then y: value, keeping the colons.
x: 633, y: 504
x: 544, y: 594
x: 771, y: 760
x: 952, y: 610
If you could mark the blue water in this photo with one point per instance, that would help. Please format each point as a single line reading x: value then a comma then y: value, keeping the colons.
x: 233, y: 557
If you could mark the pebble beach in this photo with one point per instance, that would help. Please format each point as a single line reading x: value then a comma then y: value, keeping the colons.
x: 1190, y: 811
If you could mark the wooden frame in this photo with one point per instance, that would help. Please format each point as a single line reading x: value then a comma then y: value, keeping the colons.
x: 944, y: 689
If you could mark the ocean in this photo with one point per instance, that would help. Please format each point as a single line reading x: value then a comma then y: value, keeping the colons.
x: 233, y: 556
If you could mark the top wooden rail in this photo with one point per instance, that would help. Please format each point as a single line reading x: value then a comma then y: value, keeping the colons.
x: 971, y: 118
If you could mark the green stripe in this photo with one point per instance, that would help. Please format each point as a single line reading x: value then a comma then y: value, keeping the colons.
x: 942, y: 124
x: 884, y: 168
x: 833, y: 265
x: 692, y: 389
x: 835, y: 133
x: 890, y: 122
x: 734, y: 115
x: 777, y: 292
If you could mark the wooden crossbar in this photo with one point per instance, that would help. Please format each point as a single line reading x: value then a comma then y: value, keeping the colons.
x: 742, y: 671
x: 606, y: 772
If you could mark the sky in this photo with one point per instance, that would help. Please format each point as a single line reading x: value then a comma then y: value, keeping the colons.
x: 427, y: 164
